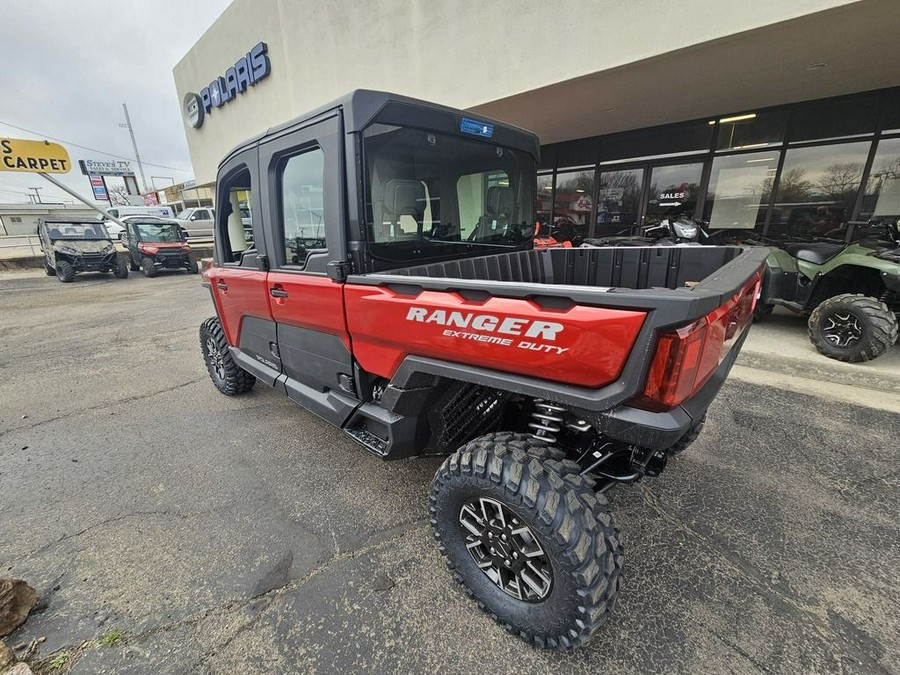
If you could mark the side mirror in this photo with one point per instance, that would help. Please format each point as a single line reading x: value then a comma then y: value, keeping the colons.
x: 194, y: 217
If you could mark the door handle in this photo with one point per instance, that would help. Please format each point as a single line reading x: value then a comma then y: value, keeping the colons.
x: 221, y: 285
x: 278, y: 293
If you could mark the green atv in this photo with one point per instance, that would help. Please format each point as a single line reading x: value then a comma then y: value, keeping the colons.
x: 850, y: 289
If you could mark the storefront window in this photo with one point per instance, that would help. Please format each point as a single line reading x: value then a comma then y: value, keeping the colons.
x: 673, y: 191
x: 882, y: 198
x: 572, y: 204
x: 751, y: 130
x: 823, y: 120
x: 618, y: 201
x: 817, y: 189
x: 739, y: 190
x: 544, y: 202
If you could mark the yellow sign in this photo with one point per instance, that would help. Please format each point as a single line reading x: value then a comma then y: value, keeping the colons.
x: 33, y: 156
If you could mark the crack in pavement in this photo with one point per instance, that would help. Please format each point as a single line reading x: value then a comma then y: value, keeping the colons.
x: 107, y: 404
x: 794, y: 605
x: 114, y: 519
x: 373, y: 542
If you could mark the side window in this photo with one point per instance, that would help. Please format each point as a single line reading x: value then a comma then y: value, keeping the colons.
x: 234, y: 222
x: 302, y: 182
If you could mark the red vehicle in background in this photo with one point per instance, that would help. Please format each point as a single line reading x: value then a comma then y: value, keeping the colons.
x: 393, y: 288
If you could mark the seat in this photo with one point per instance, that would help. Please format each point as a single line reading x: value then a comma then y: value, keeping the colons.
x: 402, y: 198
x: 815, y: 252
x: 498, y: 206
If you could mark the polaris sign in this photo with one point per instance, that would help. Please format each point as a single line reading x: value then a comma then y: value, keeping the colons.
x: 246, y: 72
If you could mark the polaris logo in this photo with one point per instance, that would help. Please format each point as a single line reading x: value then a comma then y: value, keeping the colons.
x: 545, y: 330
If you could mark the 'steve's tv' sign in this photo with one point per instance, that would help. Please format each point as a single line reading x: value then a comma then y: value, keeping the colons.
x: 246, y: 72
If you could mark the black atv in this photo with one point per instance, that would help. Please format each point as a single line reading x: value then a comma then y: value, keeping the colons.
x: 78, y: 245
x: 155, y: 244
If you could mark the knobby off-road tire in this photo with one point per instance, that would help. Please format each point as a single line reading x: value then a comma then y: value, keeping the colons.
x: 852, y: 327
x: 685, y: 441
x: 227, y: 375
x: 762, y: 310
x: 65, y: 272
x: 192, y: 266
x: 518, y: 477
x: 121, y: 269
x: 49, y: 269
x: 149, y: 267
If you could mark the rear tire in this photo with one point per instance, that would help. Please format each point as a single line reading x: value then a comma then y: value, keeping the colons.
x: 192, y: 266
x: 762, y: 310
x: 65, y: 272
x: 226, y: 374
x: 853, y: 328
x: 149, y: 267
x: 121, y: 269
x: 557, y: 525
x: 685, y: 441
x: 51, y: 271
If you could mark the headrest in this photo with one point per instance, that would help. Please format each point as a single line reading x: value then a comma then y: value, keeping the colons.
x: 404, y: 197
x: 499, y: 201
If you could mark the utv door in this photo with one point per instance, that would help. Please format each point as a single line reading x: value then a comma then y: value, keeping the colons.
x: 304, y: 207
x: 238, y: 280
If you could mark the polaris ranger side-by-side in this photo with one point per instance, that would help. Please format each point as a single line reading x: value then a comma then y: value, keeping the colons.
x: 392, y: 289
x: 78, y: 245
x: 155, y: 244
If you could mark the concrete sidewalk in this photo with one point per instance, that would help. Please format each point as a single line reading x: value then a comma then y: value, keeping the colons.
x: 780, y: 345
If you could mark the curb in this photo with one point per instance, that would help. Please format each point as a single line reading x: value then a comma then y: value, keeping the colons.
x: 865, y: 376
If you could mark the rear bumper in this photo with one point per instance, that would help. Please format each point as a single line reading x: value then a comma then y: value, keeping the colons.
x: 661, y: 430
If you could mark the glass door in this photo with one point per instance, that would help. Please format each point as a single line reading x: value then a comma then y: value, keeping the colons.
x: 673, y: 191
x: 618, y: 201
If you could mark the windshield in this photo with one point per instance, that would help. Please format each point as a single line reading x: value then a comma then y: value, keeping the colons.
x: 185, y: 214
x: 432, y: 195
x: 159, y: 232
x: 57, y: 231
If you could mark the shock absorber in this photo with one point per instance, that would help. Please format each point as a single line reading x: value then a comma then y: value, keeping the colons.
x: 547, y: 420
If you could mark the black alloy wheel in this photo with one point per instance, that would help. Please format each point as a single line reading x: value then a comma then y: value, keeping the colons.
x: 506, y: 549
x: 852, y: 327
x: 225, y: 373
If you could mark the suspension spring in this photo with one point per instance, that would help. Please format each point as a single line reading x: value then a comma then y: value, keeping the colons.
x: 547, y: 420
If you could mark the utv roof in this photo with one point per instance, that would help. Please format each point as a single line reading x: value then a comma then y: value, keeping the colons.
x: 362, y: 105
x: 69, y: 221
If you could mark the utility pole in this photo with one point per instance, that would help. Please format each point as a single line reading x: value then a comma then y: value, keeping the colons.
x: 137, y: 155
x: 37, y: 195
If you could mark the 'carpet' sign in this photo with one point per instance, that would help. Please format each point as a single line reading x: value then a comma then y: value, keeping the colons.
x: 33, y: 156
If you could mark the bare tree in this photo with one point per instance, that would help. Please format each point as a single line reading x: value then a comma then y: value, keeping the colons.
x: 793, y: 186
x: 840, y: 179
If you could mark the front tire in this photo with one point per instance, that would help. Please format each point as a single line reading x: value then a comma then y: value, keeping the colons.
x: 226, y: 374
x: 853, y: 328
x: 65, y: 272
x: 49, y: 269
x: 192, y: 266
x: 149, y: 267
x: 121, y: 269
x: 134, y: 267
x: 536, y: 550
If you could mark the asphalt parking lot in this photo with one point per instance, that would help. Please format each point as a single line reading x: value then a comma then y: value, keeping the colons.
x: 244, y: 535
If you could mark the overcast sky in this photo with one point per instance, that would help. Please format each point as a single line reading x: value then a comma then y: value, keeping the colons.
x: 67, y: 67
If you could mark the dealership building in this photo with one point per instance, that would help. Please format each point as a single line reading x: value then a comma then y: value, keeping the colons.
x: 773, y: 116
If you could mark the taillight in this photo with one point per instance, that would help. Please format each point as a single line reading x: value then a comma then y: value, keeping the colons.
x: 685, y: 358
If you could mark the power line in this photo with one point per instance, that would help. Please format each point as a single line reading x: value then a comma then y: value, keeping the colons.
x: 84, y: 147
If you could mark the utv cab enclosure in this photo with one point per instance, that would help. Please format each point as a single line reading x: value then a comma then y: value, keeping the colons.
x: 155, y: 244
x: 392, y: 289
